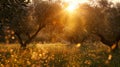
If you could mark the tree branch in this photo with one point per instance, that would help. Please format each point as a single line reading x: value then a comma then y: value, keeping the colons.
x: 34, y: 35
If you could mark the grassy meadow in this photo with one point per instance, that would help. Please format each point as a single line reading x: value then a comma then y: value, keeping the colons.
x: 58, y: 55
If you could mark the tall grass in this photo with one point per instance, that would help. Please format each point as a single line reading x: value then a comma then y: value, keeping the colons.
x: 57, y: 55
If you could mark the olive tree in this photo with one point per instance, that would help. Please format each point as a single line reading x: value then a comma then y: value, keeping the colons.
x: 28, y: 19
x: 102, y: 20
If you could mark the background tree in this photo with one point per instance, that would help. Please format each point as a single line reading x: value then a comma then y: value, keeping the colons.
x: 102, y: 20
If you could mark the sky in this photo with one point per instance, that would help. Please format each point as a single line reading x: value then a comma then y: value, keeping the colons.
x: 116, y: 0
x: 80, y: 1
x: 83, y: 1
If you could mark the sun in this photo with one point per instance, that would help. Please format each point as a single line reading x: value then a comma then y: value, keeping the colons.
x: 72, y: 5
